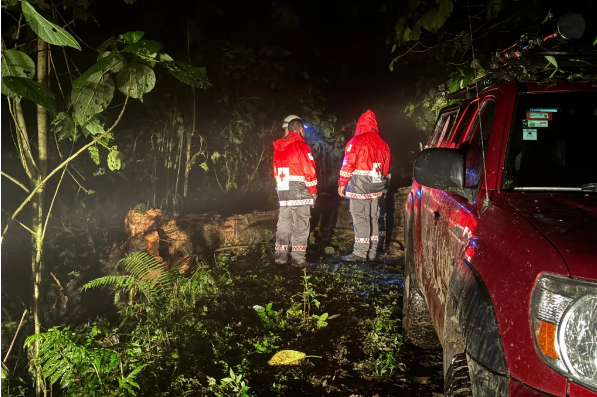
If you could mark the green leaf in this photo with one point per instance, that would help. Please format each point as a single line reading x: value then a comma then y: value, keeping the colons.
x: 399, y: 27
x: 94, y: 154
x: 552, y: 60
x: 135, y: 79
x: 415, y: 34
x: 188, y: 73
x: 115, y: 160
x: 118, y: 61
x: 165, y: 57
x: 595, y: 42
x: 132, y: 37
x: 16, y: 63
x: 64, y: 127
x: 32, y: 90
x: 204, y: 166
x: 92, y: 98
x: 93, y: 127
x: 435, y: 18
x: 102, y: 65
x: 392, y: 64
x: 46, y: 30
x: 215, y: 155
x: 144, y: 48
x: 406, y: 36
x: 479, y: 71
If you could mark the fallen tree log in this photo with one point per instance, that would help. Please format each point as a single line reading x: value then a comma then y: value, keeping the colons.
x: 179, y: 239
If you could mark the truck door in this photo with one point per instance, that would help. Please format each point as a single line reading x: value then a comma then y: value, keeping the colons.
x: 447, y: 215
x: 424, y: 228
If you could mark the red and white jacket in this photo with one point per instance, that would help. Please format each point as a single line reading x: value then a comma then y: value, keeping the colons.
x: 366, y: 161
x: 294, y: 170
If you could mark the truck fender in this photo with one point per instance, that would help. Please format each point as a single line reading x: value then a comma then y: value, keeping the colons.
x: 471, y: 305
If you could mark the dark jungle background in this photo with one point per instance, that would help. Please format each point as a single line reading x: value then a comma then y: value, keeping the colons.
x: 195, y: 114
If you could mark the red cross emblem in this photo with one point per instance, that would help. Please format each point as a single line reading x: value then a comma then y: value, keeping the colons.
x: 282, y: 176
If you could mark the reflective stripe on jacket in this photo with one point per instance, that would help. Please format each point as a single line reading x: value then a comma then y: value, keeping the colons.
x: 366, y: 160
x: 294, y: 171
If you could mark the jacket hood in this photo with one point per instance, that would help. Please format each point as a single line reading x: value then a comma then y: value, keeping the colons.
x: 287, y: 140
x: 366, y: 123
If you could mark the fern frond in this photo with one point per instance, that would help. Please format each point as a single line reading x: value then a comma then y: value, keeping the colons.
x: 125, y: 282
x: 8, y: 330
x: 142, y: 265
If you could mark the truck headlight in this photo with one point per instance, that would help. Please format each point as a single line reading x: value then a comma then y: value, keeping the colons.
x: 564, y: 321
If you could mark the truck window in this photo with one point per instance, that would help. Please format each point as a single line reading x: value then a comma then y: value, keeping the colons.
x: 443, y: 125
x: 552, y: 142
x: 477, y: 139
x: 457, y: 133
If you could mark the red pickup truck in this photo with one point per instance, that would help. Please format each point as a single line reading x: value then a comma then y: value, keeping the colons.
x: 501, y: 241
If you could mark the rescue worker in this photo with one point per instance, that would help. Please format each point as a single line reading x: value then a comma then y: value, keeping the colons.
x: 366, y: 163
x: 296, y: 184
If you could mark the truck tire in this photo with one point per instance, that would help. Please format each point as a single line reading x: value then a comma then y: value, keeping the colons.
x: 457, y: 378
x: 417, y: 326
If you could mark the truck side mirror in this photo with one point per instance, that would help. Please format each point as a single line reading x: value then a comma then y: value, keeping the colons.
x: 440, y: 168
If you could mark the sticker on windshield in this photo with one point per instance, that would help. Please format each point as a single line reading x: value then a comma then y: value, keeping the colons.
x: 529, y: 134
x: 539, y: 115
x: 535, y: 123
x: 553, y: 110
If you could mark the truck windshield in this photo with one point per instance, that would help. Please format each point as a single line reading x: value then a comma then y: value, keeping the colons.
x: 553, y: 143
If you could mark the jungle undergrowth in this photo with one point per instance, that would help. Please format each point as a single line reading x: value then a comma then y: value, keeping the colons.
x: 212, y: 332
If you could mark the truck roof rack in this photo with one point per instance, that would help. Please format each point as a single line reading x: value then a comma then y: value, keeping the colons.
x: 526, y: 59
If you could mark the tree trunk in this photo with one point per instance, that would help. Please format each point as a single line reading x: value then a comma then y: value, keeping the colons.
x: 187, y: 168
x: 38, y: 206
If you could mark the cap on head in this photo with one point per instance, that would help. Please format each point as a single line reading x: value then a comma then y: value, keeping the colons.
x: 288, y: 119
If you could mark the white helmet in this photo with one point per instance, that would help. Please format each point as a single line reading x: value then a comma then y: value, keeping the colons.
x: 288, y: 119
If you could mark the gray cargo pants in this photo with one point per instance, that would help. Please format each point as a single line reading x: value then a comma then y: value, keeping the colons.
x: 365, y: 214
x: 382, y: 223
x: 292, y: 234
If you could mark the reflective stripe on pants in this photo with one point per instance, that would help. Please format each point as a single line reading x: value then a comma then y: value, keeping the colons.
x: 365, y: 214
x: 292, y: 233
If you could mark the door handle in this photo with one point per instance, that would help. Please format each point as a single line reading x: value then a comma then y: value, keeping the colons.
x: 436, y: 215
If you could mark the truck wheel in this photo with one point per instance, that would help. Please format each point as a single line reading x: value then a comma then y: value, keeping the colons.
x: 417, y: 326
x: 457, y: 378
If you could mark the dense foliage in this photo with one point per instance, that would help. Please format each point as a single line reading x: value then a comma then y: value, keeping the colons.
x: 206, y: 332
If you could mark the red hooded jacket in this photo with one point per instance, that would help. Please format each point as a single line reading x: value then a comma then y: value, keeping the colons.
x: 294, y: 171
x: 366, y: 161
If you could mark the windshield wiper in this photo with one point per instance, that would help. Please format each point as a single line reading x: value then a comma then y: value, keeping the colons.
x: 589, y: 187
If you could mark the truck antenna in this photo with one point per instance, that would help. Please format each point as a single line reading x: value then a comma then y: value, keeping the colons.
x: 487, y: 201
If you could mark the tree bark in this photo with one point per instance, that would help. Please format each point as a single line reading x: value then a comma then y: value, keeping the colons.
x: 38, y: 207
x: 187, y: 168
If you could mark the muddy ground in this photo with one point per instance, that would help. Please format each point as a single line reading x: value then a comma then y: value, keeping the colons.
x: 353, y: 350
